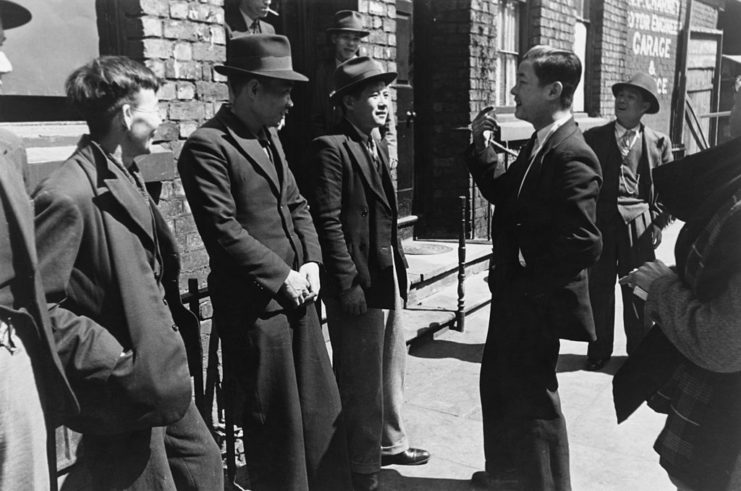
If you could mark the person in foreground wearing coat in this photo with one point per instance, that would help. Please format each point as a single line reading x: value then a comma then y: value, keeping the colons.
x: 545, y: 238
x: 110, y: 269
x: 354, y: 207
x: 34, y: 391
x: 629, y: 215
x: 689, y: 364
x: 265, y: 256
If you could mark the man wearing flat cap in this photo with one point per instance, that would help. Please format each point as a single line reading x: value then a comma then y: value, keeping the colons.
x: 33, y: 387
x: 354, y: 207
x: 629, y: 215
x: 264, y: 257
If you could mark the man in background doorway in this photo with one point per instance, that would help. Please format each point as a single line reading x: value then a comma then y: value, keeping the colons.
x: 247, y: 17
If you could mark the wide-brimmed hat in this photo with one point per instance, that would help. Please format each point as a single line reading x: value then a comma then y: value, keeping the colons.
x: 13, y: 15
x: 348, y: 21
x: 267, y: 55
x: 356, y: 71
x: 646, y: 84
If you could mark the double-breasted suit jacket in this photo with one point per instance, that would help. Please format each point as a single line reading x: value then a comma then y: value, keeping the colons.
x: 22, y: 301
x: 107, y: 263
x: 656, y: 151
x: 256, y: 227
x: 356, y: 213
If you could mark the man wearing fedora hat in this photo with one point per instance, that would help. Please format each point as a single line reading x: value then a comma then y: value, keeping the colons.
x: 629, y: 215
x: 33, y: 387
x: 243, y: 17
x: 264, y: 258
x: 354, y: 207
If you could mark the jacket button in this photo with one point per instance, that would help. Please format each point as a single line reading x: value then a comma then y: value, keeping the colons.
x: 364, y: 212
x: 164, y: 301
x: 175, y: 327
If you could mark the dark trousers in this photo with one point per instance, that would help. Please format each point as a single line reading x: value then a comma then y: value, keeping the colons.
x: 524, y: 429
x: 624, y: 248
x: 294, y: 436
x: 180, y: 456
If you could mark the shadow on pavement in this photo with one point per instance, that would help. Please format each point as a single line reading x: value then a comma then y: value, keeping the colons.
x: 392, y: 480
x: 575, y: 363
x: 441, y: 348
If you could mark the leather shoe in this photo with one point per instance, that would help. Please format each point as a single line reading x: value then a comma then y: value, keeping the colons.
x: 365, y: 482
x: 410, y: 456
x: 596, y: 364
x: 501, y: 482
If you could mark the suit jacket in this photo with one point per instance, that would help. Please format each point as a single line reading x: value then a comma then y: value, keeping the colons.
x: 234, y: 21
x: 113, y: 326
x: 552, y: 222
x: 24, y: 303
x: 254, y: 222
x: 354, y: 209
x: 656, y: 151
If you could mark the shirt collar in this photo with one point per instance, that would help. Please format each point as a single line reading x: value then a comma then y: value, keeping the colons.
x: 620, y: 129
x: 543, y: 133
x: 363, y: 136
x: 247, y: 19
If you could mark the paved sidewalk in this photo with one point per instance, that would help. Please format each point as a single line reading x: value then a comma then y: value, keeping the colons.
x: 443, y: 415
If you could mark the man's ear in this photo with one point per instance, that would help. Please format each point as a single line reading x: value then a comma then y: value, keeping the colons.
x: 252, y: 87
x: 347, y: 101
x: 554, y: 92
x: 127, y: 115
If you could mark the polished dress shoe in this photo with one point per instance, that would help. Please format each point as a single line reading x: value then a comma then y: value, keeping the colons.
x: 410, y: 456
x: 596, y: 364
x: 365, y: 482
x: 501, y: 481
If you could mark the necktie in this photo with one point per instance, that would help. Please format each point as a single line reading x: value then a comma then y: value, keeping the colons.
x: 626, y: 142
x: 255, y: 27
x: 373, y: 150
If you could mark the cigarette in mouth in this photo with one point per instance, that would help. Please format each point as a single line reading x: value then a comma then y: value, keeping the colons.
x: 271, y: 11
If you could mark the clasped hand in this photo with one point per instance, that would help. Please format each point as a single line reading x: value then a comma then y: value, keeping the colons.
x: 300, y: 286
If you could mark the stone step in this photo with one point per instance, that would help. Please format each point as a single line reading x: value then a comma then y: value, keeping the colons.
x: 430, y: 273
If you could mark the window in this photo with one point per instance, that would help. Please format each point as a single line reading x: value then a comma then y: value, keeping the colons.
x: 509, y: 20
x: 581, y: 42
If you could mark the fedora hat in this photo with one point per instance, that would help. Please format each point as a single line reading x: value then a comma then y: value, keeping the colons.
x: 356, y: 71
x: 348, y: 21
x: 646, y: 84
x: 13, y: 15
x: 267, y: 55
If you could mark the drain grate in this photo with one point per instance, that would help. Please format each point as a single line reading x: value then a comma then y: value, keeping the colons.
x: 426, y: 249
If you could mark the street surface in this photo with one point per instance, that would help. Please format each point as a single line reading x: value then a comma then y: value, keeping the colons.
x: 443, y: 414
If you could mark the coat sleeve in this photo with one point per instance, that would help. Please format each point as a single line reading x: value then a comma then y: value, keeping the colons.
x: 488, y: 173
x: 707, y: 333
x: 577, y: 243
x: 203, y: 168
x: 326, y: 166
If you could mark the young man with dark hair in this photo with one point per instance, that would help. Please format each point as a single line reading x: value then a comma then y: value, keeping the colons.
x: 629, y: 214
x: 264, y: 256
x: 354, y: 207
x: 110, y: 268
x: 545, y: 238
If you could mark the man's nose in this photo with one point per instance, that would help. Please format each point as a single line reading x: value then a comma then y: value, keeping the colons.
x: 5, y: 65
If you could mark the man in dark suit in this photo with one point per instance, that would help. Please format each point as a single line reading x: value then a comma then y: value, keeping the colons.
x: 354, y: 208
x: 33, y: 388
x: 110, y: 268
x: 545, y: 238
x: 264, y: 277
x: 246, y: 17
x: 629, y: 215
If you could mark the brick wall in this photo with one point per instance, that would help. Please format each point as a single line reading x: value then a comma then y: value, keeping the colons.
x: 552, y: 23
x: 180, y: 41
x: 607, y: 60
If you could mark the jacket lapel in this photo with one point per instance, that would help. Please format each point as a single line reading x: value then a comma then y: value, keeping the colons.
x: 362, y: 162
x: 250, y: 148
x: 131, y: 204
x: 383, y: 154
x: 561, y: 134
